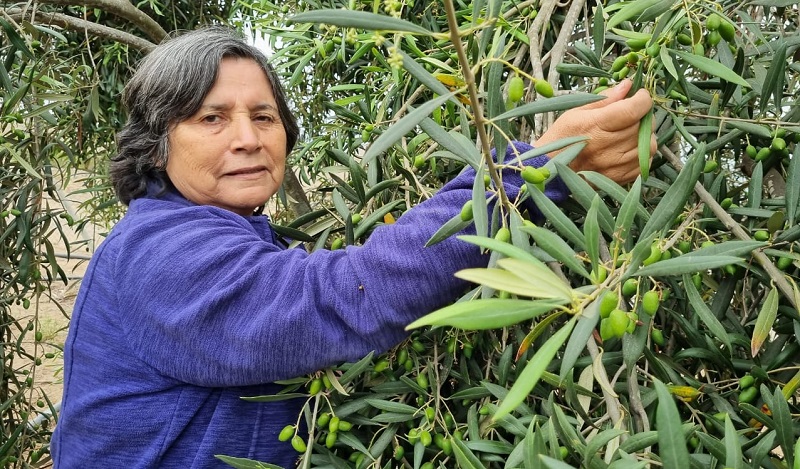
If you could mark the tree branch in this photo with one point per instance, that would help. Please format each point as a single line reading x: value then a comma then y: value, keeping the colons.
x: 122, y: 8
x: 77, y: 24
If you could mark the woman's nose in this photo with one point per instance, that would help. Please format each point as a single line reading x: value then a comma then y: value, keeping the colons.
x: 245, y: 135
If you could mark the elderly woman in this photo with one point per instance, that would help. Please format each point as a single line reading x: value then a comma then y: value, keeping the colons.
x: 192, y: 303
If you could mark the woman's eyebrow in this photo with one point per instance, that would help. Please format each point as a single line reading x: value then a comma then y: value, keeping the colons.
x: 223, y: 107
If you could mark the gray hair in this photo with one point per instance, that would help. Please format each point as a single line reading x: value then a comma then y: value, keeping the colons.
x: 168, y: 87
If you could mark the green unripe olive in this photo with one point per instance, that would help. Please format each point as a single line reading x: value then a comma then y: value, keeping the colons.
x: 430, y: 414
x: 419, y: 161
x: 707, y: 244
x: 666, y: 255
x: 605, y: 329
x: 418, y: 346
x: 330, y: 439
x: 323, y: 419
x: 599, y: 275
x: 713, y: 38
x: 783, y: 263
x: 487, y: 181
x: 727, y: 30
x: 711, y: 166
x: 425, y: 438
x: 618, y: 322
x: 466, y: 349
x: 563, y: 452
x: 26, y: 303
x: 699, y: 49
x: 763, y: 154
x: 746, y: 381
x: 637, y: 44
x: 602, y: 81
x: 315, y: 387
x: 650, y: 302
x: 697, y: 279
x: 653, y: 50
x: 655, y: 255
x: 422, y: 381
x: 748, y: 395
x: 381, y: 365
x: 630, y: 286
x: 713, y: 22
x: 608, y: 302
x: 399, y: 452
x: 516, y: 89
x: 779, y: 133
x: 684, y: 246
x: 39, y: 336
x: 344, y: 426
x: 619, y: 62
x: 413, y: 436
x: 543, y: 88
x: 761, y: 235
x: 778, y: 144
x: 446, y: 446
x: 299, y: 444
x: 427, y: 465
x: 16, y: 212
x: 402, y: 356
x: 287, y: 433
x: 658, y: 337
x: 466, y: 211
x: 545, y: 172
x: 503, y: 235
x: 355, y: 218
x: 532, y: 175
x: 333, y: 425
x: 726, y: 203
x: 623, y: 73
x: 684, y: 39
x: 633, y: 58
x: 751, y: 151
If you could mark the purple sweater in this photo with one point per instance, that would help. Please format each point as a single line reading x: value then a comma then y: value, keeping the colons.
x: 184, y: 309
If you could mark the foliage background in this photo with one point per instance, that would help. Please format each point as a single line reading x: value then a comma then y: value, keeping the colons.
x: 382, y: 132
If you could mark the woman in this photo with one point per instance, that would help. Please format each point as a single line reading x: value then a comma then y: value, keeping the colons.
x: 191, y: 303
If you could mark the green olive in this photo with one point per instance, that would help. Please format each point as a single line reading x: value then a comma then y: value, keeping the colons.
x: 748, y: 395
x: 543, y: 88
x: 630, y: 286
x: 746, y: 381
x: 425, y: 438
x: 532, y: 175
x: 608, y: 302
x: 650, y: 302
x: 618, y: 322
x: 330, y: 439
x: 287, y: 433
x: 298, y: 444
x: 658, y: 337
x: 516, y: 89
x: 466, y: 211
x: 761, y: 235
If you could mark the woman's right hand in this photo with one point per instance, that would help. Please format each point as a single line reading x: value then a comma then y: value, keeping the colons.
x: 612, y: 128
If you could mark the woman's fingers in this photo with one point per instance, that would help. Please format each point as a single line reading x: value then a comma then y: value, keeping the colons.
x: 625, y: 113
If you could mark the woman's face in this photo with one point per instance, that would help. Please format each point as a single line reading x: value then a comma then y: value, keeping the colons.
x: 231, y: 154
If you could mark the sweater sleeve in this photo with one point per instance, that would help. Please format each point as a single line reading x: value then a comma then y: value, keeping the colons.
x: 206, y: 301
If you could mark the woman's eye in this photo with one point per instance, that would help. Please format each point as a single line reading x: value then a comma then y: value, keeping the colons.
x: 211, y: 119
x: 264, y: 118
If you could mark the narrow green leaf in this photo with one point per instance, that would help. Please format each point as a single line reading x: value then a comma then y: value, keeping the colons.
x: 489, y: 313
x: 612, y: 189
x: 591, y: 229
x: 391, y: 406
x: 508, y: 281
x: 594, y: 445
x: 756, y: 183
x: 400, y: 128
x: 773, y: 82
x: 27, y: 166
x: 580, y: 70
x: 359, y: 19
x: 671, y: 442
x: 584, y: 194
x: 627, y: 211
x: 466, y: 153
x: 704, y: 312
x: 451, y: 227
x: 552, y: 463
x: 630, y: 11
x: 711, y: 67
x: 506, y: 249
x: 733, y: 447
x: 560, y: 221
x: 765, y: 320
x: 784, y: 427
x: 793, y: 187
x: 465, y: 457
x: 274, y: 397
x: 242, y: 463
x: 557, y: 103
x: 374, y: 217
x: 587, y: 322
x: 535, y: 273
x: 533, y: 370
x: 425, y: 77
x: 676, y: 196
x: 750, y: 128
x: 643, y: 145
x: 480, y: 207
x: 685, y: 265
x: 356, y: 369
x: 552, y: 244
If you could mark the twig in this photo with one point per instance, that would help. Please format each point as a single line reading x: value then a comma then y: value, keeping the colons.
x: 469, y: 79
x: 723, y: 216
